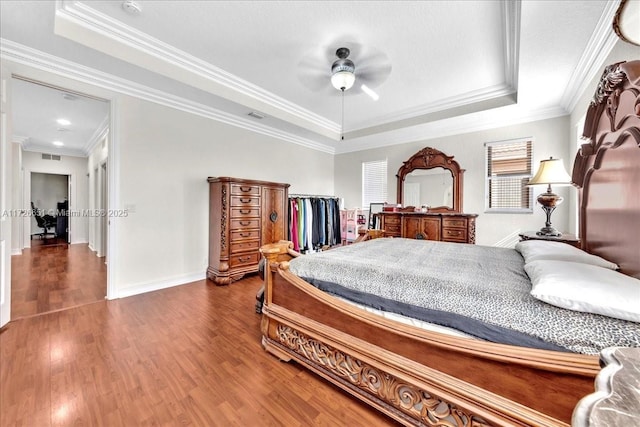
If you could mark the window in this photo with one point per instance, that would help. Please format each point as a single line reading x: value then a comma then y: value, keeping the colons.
x: 374, y: 182
x: 509, y: 168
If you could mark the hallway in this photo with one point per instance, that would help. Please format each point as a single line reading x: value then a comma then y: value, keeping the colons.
x: 53, y: 277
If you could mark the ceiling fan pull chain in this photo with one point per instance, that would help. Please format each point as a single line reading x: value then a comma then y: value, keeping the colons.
x: 342, y: 128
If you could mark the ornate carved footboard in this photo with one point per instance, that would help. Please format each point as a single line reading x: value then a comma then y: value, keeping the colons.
x: 416, y: 377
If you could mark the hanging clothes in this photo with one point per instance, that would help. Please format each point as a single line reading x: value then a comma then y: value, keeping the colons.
x: 314, y: 222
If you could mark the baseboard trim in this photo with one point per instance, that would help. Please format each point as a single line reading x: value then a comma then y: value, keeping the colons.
x: 142, y: 288
x: 16, y: 252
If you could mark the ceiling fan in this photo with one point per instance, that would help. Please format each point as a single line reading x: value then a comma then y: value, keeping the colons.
x: 350, y: 67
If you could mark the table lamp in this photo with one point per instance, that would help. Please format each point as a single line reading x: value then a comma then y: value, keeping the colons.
x: 551, y: 171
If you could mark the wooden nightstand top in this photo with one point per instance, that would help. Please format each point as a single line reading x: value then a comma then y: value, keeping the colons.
x: 564, y: 238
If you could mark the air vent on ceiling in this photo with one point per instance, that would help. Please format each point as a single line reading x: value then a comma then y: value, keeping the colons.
x: 256, y: 115
x: 51, y: 157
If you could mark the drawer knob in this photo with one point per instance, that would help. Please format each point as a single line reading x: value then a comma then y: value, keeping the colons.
x: 245, y: 223
x: 245, y: 234
x: 245, y: 200
x: 245, y: 189
x: 245, y: 212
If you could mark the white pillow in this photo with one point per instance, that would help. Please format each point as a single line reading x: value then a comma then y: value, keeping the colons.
x: 587, y: 288
x: 534, y: 250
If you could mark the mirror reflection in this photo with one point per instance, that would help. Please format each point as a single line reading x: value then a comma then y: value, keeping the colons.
x: 428, y: 187
x: 431, y: 179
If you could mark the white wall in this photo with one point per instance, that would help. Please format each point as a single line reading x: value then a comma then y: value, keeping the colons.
x: 164, y: 157
x: 550, y: 139
x: 76, y: 168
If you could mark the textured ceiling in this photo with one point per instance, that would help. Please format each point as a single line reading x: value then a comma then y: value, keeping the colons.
x: 442, y: 64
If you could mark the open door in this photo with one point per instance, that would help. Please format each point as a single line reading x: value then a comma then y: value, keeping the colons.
x: 5, y: 196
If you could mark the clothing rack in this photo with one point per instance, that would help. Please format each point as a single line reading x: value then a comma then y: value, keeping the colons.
x: 314, y: 222
x: 317, y: 196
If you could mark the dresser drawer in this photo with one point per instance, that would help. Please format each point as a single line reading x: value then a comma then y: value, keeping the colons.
x: 243, y: 223
x: 251, y: 258
x: 244, y: 235
x: 454, y: 222
x: 245, y: 201
x: 392, y: 230
x: 245, y: 245
x: 454, y: 235
x: 245, y: 189
x: 245, y: 212
x: 392, y: 220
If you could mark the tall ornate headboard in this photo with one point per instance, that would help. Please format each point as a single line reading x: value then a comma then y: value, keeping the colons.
x: 607, y: 169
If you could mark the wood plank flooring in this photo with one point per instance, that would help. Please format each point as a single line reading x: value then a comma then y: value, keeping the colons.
x: 53, y: 276
x: 188, y: 355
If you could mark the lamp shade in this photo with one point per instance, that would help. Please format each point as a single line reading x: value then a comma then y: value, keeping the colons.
x: 343, y: 80
x: 551, y: 171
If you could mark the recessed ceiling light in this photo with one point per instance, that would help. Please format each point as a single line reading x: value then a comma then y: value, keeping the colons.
x: 63, y: 122
x: 58, y: 143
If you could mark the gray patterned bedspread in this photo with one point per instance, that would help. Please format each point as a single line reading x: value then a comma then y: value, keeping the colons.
x: 480, y: 290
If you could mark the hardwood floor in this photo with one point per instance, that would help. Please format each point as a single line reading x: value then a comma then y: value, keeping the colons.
x: 53, y: 276
x: 188, y: 355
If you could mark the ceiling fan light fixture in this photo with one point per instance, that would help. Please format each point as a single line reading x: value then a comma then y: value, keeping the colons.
x: 342, y: 70
x: 343, y: 80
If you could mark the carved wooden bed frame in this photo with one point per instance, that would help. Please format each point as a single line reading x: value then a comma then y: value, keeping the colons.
x: 419, y: 377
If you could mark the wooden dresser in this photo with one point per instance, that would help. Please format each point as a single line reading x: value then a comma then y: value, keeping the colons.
x: 445, y: 227
x: 243, y: 215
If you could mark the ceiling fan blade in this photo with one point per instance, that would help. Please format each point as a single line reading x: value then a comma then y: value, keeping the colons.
x: 373, y: 76
x: 314, y: 69
x: 374, y: 69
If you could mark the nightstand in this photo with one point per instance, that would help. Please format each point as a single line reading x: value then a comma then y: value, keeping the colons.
x: 564, y: 238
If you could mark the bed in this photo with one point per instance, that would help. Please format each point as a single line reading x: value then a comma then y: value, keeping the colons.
x: 419, y: 376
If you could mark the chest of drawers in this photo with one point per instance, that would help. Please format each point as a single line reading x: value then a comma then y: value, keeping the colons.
x: 446, y: 227
x: 243, y: 215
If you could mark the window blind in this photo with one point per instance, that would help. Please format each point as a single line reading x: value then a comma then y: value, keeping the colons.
x: 509, y: 168
x: 374, y: 182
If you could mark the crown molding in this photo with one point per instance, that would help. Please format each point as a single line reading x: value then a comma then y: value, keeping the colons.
x: 30, y: 57
x: 134, y: 46
x: 98, y: 135
x: 19, y: 139
x: 58, y: 151
x: 598, y: 48
x: 456, y: 126
x: 442, y: 106
x: 511, y: 12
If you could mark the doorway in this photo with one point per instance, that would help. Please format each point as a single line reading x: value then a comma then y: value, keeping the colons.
x: 47, y: 277
x: 50, y: 204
